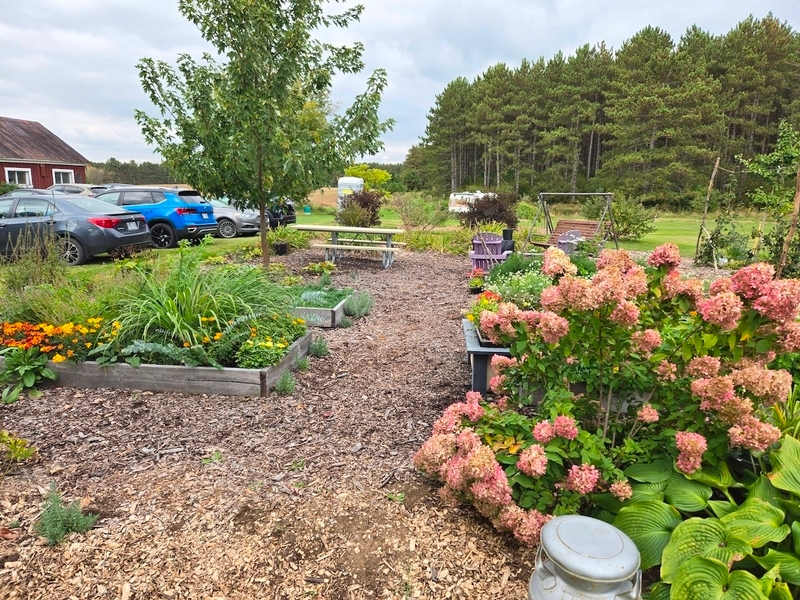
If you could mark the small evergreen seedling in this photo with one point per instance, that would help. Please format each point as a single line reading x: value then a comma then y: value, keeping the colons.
x: 302, y: 364
x: 346, y: 322
x: 318, y: 347
x: 58, y: 520
x: 285, y: 384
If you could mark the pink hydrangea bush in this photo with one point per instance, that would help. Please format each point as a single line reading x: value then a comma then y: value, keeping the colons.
x: 513, y: 469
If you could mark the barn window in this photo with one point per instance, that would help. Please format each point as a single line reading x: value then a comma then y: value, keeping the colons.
x: 63, y: 176
x: 22, y: 177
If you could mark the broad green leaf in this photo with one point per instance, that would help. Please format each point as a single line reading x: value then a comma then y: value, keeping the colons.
x: 780, y: 591
x: 763, y: 489
x: 28, y: 379
x: 722, y: 507
x: 788, y: 562
x: 757, y: 523
x: 654, y: 472
x: 796, y: 536
x: 709, y: 538
x: 607, y: 500
x: 48, y: 373
x: 649, y: 524
x: 648, y: 491
x: 660, y: 591
x: 709, y: 340
x: 708, y: 579
x: 718, y: 476
x: 686, y: 495
x: 785, y: 473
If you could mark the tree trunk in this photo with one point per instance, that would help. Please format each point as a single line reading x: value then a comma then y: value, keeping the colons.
x: 575, y: 161
x: 705, y: 208
x: 792, y: 228
x: 262, y: 210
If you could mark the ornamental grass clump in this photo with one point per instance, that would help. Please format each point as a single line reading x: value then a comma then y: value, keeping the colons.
x: 634, y: 367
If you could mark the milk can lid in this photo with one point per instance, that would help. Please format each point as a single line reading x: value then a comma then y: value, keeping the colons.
x: 590, y: 549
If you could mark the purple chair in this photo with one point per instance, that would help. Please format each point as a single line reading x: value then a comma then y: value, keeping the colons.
x: 487, y: 250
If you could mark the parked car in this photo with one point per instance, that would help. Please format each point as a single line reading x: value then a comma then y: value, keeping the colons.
x: 283, y: 211
x: 83, y: 226
x: 82, y: 189
x: 232, y: 222
x: 172, y: 214
x: 31, y: 192
x: 114, y: 186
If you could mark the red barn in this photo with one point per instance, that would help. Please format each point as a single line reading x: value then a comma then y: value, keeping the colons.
x: 33, y: 156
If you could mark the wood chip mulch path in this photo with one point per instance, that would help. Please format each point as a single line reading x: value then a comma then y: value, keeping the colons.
x: 311, y: 495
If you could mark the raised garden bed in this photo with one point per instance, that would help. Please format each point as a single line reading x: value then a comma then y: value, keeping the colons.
x: 176, y: 378
x: 479, y: 357
x: 321, y: 317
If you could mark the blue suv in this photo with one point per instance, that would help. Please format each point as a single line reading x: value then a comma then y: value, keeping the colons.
x: 172, y: 214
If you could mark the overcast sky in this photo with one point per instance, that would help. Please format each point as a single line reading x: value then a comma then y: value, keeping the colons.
x: 70, y: 64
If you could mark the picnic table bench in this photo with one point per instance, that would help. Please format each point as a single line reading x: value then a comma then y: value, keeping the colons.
x: 358, y: 239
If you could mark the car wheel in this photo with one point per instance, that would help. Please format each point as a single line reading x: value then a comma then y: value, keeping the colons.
x: 72, y: 252
x: 163, y: 235
x: 226, y: 228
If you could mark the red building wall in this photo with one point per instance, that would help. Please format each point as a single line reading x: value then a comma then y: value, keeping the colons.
x: 42, y: 174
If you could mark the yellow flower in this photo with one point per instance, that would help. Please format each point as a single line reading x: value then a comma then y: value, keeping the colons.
x: 206, y: 339
x: 70, y: 353
x: 470, y: 317
x: 268, y: 344
x: 186, y: 344
x: 117, y: 324
x: 218, y: 335
x: 74, y: 340
x: 88, y: 344
x: 57, y: 358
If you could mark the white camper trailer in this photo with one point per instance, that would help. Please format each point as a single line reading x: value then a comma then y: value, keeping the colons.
x: 347, y: 186
x: 460, y: 201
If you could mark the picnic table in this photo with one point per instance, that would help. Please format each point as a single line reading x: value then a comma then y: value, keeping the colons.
x: 360, y: 239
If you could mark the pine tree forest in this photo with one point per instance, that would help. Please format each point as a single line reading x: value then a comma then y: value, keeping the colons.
x: 647, y: 120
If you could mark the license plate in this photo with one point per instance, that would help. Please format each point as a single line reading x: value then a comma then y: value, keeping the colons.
x: 205, y: 215
x: 131, y: 225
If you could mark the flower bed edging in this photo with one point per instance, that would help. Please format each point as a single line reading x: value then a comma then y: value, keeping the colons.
x: 172, y: 378
x: 321, y: 317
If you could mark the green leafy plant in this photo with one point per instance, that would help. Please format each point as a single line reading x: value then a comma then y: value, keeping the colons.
x: 398, y: 497
x: 345, y: 322
x: 359, y: 304
x: 325, y: 267
x: 302, y: 364
x: 318, y: 347
x: 297, y: 465
x: 23, y: 370
x: 523, y: 288
x: 58, y: 520
x: 285, y: 384
x: 15, y: 449
x: 420, y: 212
x: 632, y: 220
x: 215, y: 457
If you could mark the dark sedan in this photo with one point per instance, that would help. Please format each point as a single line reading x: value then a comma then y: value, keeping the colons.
x: 32, y: 192
x: 83, y: 226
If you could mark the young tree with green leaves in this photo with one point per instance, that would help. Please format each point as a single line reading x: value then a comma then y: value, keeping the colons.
x: 254, y: 122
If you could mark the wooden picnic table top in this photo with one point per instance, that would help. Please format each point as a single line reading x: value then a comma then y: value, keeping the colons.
x: 343, y: 229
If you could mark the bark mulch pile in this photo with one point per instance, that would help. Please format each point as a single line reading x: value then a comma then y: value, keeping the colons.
x: 311, y: 495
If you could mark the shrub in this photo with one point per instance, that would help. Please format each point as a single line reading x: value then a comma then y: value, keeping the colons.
x: 725, y: 242
x: 491, y: 207
x: 515, y: 263
x: 450, y: 241
x: 14, y: 449
x: 420, y: 212
x: 361, y: 209
x: 631, y: 219
x: 359, y: 304
x: 302, y: 364
x: 318, y: 347
x: 58, y: 520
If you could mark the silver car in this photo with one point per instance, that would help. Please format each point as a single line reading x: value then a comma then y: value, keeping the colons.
x: 232, y: 222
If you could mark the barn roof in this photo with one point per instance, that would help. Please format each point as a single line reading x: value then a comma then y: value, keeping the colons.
x: 31, y: 141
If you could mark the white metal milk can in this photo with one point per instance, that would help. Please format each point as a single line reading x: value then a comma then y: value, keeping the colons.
x: 581, y: 558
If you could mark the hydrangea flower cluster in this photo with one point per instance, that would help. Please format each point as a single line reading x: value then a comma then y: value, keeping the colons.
x: 582, y: 478
x: 647, y: 414
x: 666, y: 255
x: 556, y: 262
x: 691, y: 447
x: 562, y: 426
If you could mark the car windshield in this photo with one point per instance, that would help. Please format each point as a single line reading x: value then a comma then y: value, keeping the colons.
x: 220, y: 203
x: 89, y: 204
